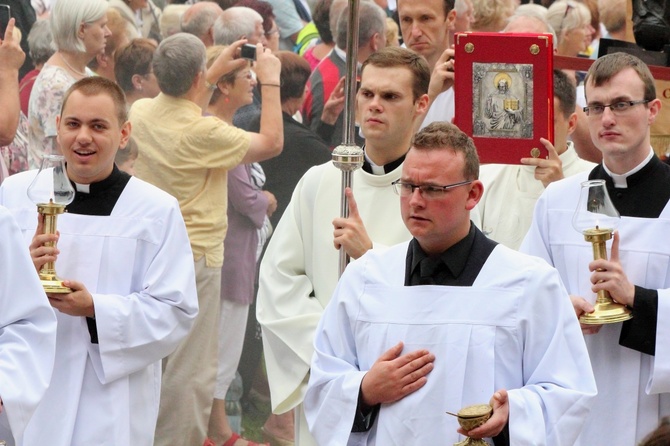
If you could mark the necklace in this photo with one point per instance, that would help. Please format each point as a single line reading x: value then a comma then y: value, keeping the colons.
x: 71, y: 67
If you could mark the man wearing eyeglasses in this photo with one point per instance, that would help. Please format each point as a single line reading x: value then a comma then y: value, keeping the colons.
x: 447, y: 320
x: 631, y: 361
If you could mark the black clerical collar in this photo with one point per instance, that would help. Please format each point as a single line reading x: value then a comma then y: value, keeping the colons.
x: 387, y: 168
x: 453, y: 258
x: 101, y: 196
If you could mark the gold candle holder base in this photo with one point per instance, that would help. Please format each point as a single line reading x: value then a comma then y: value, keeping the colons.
x: 607, y: 313
x: 606, y: 310
x: 54, y: 287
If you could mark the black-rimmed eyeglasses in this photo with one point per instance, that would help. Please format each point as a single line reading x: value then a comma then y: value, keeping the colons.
x: 428, y: 191
x: 617, y: 107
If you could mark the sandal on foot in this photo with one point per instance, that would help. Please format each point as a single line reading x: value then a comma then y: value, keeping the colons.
x: 231, y: 441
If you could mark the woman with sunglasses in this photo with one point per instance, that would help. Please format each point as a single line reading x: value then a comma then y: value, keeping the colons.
x: 572, y: 22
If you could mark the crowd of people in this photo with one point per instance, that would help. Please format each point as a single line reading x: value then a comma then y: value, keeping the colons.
x: 203, y: 243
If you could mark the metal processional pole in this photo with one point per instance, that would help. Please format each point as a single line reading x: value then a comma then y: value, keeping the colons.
x: 348, y: 156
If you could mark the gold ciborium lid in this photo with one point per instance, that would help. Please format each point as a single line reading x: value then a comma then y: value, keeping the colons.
x: 478, y: 410
x: 471, y: 417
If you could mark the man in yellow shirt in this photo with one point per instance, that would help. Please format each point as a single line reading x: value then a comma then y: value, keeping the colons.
x: 188, y: 155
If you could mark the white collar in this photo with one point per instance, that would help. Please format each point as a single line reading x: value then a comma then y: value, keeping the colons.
x: 340, y: 52
x: 85, y: 188
x: 376, y: 170
x: 620, y: 181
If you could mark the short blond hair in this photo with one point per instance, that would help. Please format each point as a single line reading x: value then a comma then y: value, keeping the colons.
x: 213, y: 52
x: 170, y: 21
x: 612, y: 14
x: 441, y: 135
x: 490, y: 14
x: 392, y: 32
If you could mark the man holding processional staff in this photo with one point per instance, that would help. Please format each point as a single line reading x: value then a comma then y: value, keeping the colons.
x: 300, y: 268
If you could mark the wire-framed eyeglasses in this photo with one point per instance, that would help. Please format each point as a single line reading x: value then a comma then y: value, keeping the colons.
x: 617, y: 108
x: 427, y: 191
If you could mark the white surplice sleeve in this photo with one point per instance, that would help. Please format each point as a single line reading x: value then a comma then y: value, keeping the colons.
x: 141, y: 328
x: 659, y: 380
x: 286, y: 307
x: 27, y: 329
x: 536, y: 241
x: 555, y: 388
x: 558, y: 383
x: 332, y: 393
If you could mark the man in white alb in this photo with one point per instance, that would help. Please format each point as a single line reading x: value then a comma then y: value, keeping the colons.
x: 300, y: 268
x: 631, y: 361
x: 447, y: 320
x: 124, y: 251
x: 511, y: 190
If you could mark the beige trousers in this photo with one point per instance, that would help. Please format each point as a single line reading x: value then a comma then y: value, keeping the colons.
x: 189, y: 374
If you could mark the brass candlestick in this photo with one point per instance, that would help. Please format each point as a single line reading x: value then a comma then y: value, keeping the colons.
x: 597, y: 218
x: 606, y: 310
x: 51, y: 191
x: 48, y: 276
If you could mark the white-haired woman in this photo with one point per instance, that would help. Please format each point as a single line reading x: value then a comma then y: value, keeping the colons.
x: 572, y: 22
x: 80, y: 31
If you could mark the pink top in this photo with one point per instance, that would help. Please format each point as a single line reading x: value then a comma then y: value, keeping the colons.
x: 309, y: 57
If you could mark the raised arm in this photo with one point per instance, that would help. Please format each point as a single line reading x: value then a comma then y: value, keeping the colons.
x: 269, y: 141
x: 12, y: 57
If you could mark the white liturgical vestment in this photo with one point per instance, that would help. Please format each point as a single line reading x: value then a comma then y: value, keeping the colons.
x: 138, y: 265
x: 27, y: 332
x: 441, y: 109
x: 510, y: 194
x: 633, y: 388
x: 513, y: 329
x: 300, y: 270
